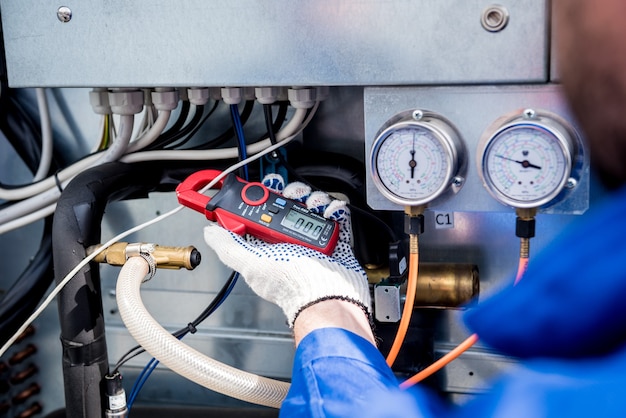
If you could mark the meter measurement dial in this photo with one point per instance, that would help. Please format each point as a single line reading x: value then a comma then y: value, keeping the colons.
x: 527, y: 161
x: 415, y: 158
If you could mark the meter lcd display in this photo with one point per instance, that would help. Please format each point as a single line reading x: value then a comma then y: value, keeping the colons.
x: 306, y: 225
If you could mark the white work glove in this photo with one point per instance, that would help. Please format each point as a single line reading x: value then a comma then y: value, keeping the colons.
x: 292, y: 276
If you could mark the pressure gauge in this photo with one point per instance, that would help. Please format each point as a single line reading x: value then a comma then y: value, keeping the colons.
x: 526, y: 159
x: 416, y: 157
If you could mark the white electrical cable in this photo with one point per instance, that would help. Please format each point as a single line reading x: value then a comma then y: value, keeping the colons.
x: 70, y: 172
x: 67, y: 173
x: 296, y: 124
x: 46, y: 135
x: 123, y: 235
x: 152, y: 134
x: 181, y: 358
x: 28, y: 219
x: 39, y: 201
x: 147, y: 120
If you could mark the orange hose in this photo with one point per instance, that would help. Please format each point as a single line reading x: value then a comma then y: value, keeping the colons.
x: 408, y: 303
x: 461, y: 348
x: 521, y: 269
x: 439, y: 364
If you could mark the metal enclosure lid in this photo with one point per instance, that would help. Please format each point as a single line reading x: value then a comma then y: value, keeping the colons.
x: 137, y: 43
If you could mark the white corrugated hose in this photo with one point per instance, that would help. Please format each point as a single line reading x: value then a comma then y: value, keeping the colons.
x: 181, y: 358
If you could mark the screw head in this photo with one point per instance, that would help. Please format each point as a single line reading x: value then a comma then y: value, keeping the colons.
x: 418, y: 114
x: 494, y: 18
x: 458, y: 181
x: 529, y: 114
x: 64, y: 14
x: 571, y: 183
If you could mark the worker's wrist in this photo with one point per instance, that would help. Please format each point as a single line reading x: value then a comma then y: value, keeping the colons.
x: 333, y: 313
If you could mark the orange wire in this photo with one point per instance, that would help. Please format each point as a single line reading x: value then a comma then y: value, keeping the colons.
x: 408, y: 303
x: 461, y: 348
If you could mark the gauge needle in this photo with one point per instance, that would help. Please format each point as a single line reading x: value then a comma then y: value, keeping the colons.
x: 412, y: 162
x: 525, y: 163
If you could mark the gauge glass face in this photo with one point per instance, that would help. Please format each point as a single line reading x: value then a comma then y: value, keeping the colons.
x: 413, y: 164
x: 526, y: 164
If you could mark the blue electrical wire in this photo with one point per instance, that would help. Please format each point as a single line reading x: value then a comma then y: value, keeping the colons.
x: 243, y: 154
x: 153, y: 363
x: 141, y: 379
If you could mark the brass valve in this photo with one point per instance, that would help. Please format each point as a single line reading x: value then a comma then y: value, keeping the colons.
x: 165, y: 257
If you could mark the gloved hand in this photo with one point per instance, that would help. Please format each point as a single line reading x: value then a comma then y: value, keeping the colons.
x: 292, y: 276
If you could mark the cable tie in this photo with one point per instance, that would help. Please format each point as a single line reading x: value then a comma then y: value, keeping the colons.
x: 192, y: 328
x: 151, y: 264
x: 58, y: 182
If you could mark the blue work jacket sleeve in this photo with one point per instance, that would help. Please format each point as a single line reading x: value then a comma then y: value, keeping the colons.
x: 339, y: 374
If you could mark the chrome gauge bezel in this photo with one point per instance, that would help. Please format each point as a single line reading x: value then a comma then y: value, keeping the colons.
x: 445, y: 135
x: 564, y: 142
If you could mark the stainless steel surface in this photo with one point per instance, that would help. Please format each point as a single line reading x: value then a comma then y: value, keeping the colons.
x: 474, y: 371
x: 471, y: 109
x: 258, y: 43
x: 387, y: 305
x: 554, y: 70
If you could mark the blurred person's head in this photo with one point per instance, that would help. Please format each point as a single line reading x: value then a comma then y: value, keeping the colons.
x: 591, y: 54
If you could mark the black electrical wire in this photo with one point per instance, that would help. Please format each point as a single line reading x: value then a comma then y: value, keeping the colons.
x: 192, y: 132
x: 19, y: 302
x: 178, y: 124
x: 228, y: 133
x: 195, y: 130
x: 191, y: 327
x: 21, y: 131
x: 271, y: 133
x: 179, y: 129
x: 283, y: 107
x: 183, y: 134
x: 166, y: 137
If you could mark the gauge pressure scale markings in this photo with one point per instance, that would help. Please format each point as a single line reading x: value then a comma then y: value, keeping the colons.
x: 414, y: 157
x: 526, y: 161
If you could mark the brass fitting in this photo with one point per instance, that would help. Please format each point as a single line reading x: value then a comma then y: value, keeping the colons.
x: 441, y: 285
x: 446, y: 285
x: 525, y: 229
x: 165, y: 257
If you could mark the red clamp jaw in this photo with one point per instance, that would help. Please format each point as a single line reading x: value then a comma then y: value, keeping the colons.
x: 250, y: 208
x: 187, y: 191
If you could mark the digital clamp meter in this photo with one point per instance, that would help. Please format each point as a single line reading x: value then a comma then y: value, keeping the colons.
x: 251, y: 208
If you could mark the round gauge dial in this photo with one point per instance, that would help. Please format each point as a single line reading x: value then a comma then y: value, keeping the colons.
x: 526, y: 164
x: 413, y: 162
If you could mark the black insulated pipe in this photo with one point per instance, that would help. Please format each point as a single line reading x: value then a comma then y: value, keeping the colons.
x: 76, y: 226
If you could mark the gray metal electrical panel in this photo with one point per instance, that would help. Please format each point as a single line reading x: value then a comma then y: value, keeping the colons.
x: 283, y: 42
